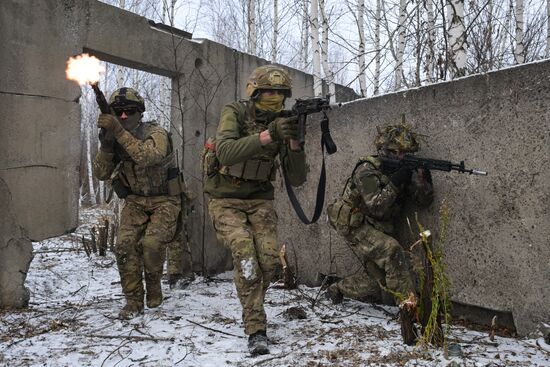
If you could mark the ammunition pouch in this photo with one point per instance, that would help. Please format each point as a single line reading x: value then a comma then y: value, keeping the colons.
x: 121, y: 190
x: 252, y: 169
x: 176, y: 184
x: 343, y: 217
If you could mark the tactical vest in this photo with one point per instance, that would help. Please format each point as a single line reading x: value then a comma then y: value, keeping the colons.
x: 152, y: 180
x: 260, y: 167
x: 346, y: 212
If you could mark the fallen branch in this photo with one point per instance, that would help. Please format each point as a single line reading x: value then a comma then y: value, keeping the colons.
x: 215, y: 330
x: 129, y: 337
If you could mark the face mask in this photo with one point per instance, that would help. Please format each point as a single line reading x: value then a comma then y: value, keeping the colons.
x: 272, y: 103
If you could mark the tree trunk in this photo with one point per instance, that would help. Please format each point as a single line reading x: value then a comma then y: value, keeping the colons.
x: 400, y: 44
x: 518, y: 51
x: 361, y: 52
x: 251, y: 21
x: 275, y: 31
x: 305, y: 37
x: 457, y: 38
x: 329, y: 74
x: 314, y: 18
x: 430, y: 51
x: 547, y: 28
x: 91, y: 188
x: 376, y: 81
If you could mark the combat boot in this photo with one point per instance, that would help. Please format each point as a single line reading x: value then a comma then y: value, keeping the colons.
x: 407, y: 317
x: 130, y: 310
x: 334, y: 294
x: 257, y: 343
x: 153, y: 290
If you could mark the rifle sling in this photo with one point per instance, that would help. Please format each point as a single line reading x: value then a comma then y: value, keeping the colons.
x: 328, y: 143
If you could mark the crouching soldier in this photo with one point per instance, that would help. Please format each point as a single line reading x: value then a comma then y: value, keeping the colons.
x: 364, y: 215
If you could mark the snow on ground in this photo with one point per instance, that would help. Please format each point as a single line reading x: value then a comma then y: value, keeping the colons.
x: 72, y: 321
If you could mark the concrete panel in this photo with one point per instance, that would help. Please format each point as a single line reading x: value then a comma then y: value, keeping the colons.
x: 497, y: 248
x: 40, y: 150
x: 15, y: 255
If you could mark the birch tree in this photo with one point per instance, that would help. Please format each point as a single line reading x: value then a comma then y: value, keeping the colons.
x: 329, y: 74
x: 430, y: 44
x: 315, y: 49
x: 519, y: 55
x: 251, y: 23
x: 377, y: 50
x: 361, y: 51
x: 275, y: 31
x: 547, y: 28
x: 400, y: 44
x: 304, y: 54
x: 456, y: 38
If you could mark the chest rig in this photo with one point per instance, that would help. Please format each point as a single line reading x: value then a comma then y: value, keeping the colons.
x: 260, y: 167
x: 151, y: 180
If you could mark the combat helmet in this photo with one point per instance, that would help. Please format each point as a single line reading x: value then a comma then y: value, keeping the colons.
x: 398, y: 137
x: 268, y: 77
x: 124, y: 97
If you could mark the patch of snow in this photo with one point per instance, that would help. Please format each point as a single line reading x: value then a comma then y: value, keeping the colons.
x: 71, y: 321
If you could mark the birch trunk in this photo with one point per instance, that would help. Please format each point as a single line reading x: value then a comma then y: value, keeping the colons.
x: 400, y: 44
x: 430, y: 50
x: 361, y: 52
x: 91, y: 189
x: 376, y: 81
x: 305, y: 36
x: 457, y: 38
x: 547, y: 28
x: 518, y: 51
x: 251, y: 27
x: 275, y: 31
x: 314, y: 18
x: 329, y: 74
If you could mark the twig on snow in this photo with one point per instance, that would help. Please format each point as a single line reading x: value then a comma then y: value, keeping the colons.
x: 215, y: 330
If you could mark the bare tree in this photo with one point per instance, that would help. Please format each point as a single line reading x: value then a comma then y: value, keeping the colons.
x: 377, y: 50
x: 430, y: 46
x: 251, y: 23
x: 314, y: 20
x: 519, y: 55
x: 457, y: 37
x: 400, y: 44
x: 275, y: 31
x: 361, y: 51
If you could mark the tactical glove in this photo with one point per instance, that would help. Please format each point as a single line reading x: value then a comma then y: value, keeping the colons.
x: 283, y: 128
x: 107, y: 140
x: 110, y: 123
x: 401, y: 176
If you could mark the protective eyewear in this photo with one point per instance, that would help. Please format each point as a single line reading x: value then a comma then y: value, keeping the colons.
x: 128, y: 111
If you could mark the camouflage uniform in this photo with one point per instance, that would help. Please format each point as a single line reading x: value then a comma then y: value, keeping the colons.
x: 140, y: 162
x: 364, y: 216
x: 241, y: 204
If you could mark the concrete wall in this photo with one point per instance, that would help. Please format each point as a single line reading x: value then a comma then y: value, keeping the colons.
x: 497, y: 248
x: 40, y: 140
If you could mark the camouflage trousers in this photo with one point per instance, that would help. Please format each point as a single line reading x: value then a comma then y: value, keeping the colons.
x: 248, y: 228
x: 383, y: 263
x: 147, y: 225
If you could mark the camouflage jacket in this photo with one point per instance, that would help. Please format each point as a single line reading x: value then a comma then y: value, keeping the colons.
x: 370, y: 196
x: 237, y: 142
x: 142, y: 158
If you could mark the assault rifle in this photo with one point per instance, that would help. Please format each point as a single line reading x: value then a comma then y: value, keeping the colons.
x: 413, y: 163
x: 303, y: 107
x: 100, y: 98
